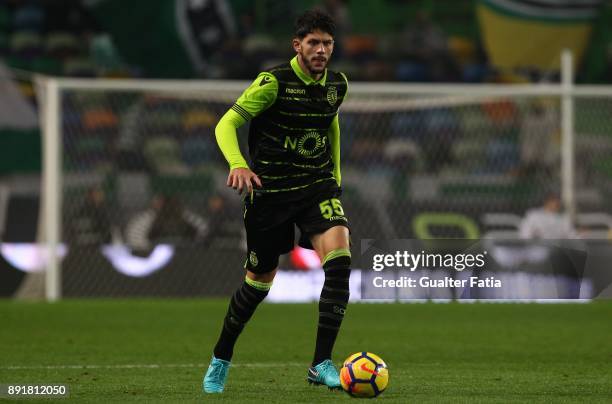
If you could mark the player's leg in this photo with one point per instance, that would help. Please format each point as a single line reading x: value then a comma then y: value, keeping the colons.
x: 327, y: 227
x: 268, y: 236
x: 242, y: 305
x: 333, y: 248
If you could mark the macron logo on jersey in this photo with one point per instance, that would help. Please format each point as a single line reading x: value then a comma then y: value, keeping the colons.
x: 265, y: 80
x: 295, y: 91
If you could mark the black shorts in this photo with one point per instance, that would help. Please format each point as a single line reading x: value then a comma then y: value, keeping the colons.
x: 270, y: 223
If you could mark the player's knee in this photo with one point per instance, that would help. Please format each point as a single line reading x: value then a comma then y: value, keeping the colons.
x: 338, y: 259
x: 336, y: 291
x: 266, y: 277
x: 337, y: 266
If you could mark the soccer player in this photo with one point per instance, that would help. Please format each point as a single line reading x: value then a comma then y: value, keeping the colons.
x: 294, y: 179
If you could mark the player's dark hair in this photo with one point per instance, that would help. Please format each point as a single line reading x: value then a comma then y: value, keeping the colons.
x: 313, y: 20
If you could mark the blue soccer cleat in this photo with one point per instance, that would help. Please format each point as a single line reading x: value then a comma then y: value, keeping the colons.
x: 325, y: 373
x: 214, y: 381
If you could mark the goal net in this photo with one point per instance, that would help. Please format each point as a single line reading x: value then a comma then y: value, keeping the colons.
x: 143, y: 210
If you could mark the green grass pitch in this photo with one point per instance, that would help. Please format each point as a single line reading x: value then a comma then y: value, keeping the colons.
x: 157, y: 350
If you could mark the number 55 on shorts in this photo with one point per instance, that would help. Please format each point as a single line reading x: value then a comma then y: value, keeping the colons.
x: 331, y: 209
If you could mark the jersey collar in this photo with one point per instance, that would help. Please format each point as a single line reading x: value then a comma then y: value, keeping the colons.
x: 304, y: 77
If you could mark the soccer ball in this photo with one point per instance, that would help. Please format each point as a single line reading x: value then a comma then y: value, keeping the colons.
x: 364, y: 374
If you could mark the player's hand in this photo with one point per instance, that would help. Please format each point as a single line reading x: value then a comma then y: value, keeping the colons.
x: 243, y: 179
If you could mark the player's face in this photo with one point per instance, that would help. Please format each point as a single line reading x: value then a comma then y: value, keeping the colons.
x: 315, y: 49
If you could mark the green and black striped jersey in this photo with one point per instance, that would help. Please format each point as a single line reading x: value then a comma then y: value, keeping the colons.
x: 290, y: 116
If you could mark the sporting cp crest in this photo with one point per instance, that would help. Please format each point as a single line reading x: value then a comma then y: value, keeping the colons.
x: 253, y: 258
x: 332, y: 95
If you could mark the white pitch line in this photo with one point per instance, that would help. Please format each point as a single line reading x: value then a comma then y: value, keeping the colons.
x: 152, y: 366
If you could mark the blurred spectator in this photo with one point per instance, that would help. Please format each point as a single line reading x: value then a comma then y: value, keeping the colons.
x: 91, y: 224
x: 547, y: 222
x: 224, y: 232
x: 539, y: 155
x: 166, y: 221
x: 214, y: 41
x: 565, y: 255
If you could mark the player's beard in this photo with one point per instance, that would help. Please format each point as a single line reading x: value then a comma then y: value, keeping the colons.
x: 312, y: 68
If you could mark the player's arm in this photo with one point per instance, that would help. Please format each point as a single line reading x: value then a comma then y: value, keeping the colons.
x: 333, y: 134
x: 254, y: 100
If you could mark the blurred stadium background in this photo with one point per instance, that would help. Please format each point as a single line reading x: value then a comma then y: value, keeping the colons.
x: 141, y: 184
x: 460, y: 119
